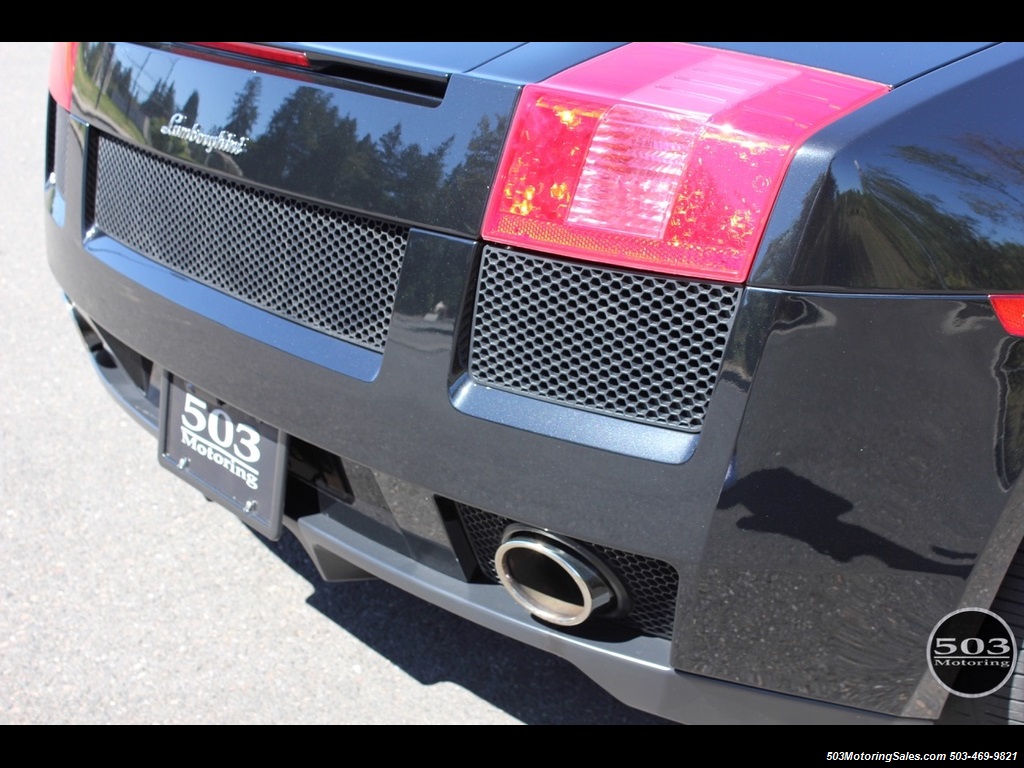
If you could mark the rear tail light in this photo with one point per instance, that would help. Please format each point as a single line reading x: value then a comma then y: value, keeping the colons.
x: 1010, y: 311
x: 259, y: 51
x: 62, y: 72
x: 660, y: 156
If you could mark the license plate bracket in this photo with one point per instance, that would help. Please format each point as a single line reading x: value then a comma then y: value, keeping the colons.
x: 233, y: 458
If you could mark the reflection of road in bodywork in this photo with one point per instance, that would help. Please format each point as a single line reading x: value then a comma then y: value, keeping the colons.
x: 1009, y: 442
x: 843, y: 539
x: 785, y: 503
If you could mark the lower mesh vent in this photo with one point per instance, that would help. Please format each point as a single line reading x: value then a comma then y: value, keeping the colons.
x: 330, y: 271
x: 652, y: 584
x: 642, y: 347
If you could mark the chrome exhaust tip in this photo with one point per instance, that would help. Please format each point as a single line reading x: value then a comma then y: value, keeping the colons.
x: 554, y: 579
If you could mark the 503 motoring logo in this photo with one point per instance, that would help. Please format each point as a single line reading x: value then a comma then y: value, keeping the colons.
x: 215, y: 436
x: 972, y: 652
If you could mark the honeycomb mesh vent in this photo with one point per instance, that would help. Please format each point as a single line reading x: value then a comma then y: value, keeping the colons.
x: 652, y: 584
x: 330, y: 271
x: 637, y: 346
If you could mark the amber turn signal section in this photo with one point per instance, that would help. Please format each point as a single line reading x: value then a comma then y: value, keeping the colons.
x: 660, y: 156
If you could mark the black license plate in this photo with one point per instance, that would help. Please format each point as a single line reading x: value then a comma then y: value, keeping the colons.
x: 231, y: 457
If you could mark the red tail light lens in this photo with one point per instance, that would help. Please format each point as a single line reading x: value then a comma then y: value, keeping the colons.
x: 660, y: 156
x: 62, y: 72
x: 1010, y: 311
x: 258, y: 51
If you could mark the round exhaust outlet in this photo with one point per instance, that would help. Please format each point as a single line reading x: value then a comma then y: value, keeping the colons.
x: 556, y: 580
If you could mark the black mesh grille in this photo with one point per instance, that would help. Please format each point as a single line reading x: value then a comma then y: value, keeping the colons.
x: 636, y: 346
x: 51, y: 144
x: 327, y: 270
x: 652, y: 584
x: 68, y: 147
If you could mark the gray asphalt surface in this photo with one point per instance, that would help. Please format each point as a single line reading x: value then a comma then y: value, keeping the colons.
x: 127, y: 598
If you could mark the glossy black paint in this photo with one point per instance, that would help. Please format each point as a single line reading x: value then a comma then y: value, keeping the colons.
x: 869, y: 474
x: 858, y: 458
x: 889, y: 63
x: 922, y: 191
x: 362, y: 147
